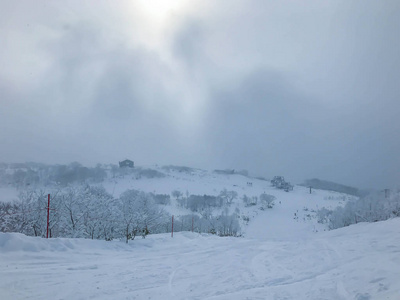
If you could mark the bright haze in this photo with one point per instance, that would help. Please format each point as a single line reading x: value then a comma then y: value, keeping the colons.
x: 302, y: 89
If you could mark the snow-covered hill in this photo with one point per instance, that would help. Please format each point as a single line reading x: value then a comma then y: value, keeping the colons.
x: 293, y: 215
x: 357, y: 262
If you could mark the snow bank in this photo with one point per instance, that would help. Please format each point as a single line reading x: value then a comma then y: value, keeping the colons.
x: 12, y: 242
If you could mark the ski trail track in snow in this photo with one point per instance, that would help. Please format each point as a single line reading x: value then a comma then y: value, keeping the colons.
x: 358, y: 262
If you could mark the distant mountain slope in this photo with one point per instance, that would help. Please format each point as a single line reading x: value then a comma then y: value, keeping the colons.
x: 330, y: 186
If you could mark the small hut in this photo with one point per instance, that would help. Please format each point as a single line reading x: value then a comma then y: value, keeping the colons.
x: 126, y: 164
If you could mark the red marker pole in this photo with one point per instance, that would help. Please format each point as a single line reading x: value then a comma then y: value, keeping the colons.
x: 172, y: 231
x: 48, y: 215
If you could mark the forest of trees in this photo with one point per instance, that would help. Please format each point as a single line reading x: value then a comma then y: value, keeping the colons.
x: 371, y: 208
x: 91, y: 212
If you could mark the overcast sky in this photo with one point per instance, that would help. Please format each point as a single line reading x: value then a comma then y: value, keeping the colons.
x: 302, y: 89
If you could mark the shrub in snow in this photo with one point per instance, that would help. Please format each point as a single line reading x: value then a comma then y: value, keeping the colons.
x: 246, y: 200
x: 267, y: 201
x: 323, y: 215
x: 249, y: 201
x: 246, y: 219
x: 224, y: 225
x: 161, y: 199
x: 176, y: 194
x: 228, y: 196
x: 199, y: 203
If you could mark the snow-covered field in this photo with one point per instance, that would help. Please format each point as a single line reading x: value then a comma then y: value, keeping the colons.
x: 357, y: 262
x: 284, y: 252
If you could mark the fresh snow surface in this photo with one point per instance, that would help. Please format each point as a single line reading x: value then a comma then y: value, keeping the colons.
x: 284, y: 252
x: 358, y: 262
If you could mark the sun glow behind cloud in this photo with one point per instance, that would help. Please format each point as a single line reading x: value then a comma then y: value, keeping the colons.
x: 160, y: 18
x: 159, y: 10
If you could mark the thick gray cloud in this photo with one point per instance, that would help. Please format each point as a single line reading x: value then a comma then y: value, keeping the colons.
x: 300, y: 89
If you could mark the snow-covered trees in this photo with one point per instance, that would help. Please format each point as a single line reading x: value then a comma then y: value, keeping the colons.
x: 228, y: 196
x: 176, y: 194
x: 127, y: 212
x: 267, y: 201
x: 280, y: 183
x: 161, y: 199
x: 200, y: 203
x: 83, y: 211
x: 222, y: 225
x: 371, y: 208
x: 32, y: 213
x: 203, y: 203
x: 81, y: 208
x: 139, y: 214
x: 72, y: 212
x: 226, y: 225
x: 249, y: 201
x: 98, y: 219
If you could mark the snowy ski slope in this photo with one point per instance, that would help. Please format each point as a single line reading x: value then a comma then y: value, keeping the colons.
x: 284, y: 253
x: 357, y: 262
x: 292, y: 216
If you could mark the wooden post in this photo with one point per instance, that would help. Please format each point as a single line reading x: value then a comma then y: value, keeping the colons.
x: 172, y: 230
x: 48, y: 215
x: 310, y: 189
x: 192, y: 222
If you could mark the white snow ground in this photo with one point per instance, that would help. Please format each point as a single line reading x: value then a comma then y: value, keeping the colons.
x: 358, y: 262
x: 284, y: 254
